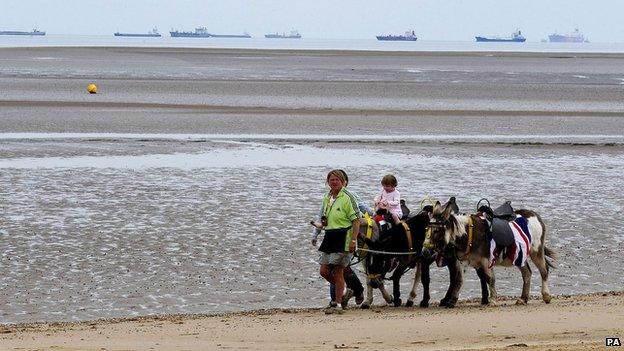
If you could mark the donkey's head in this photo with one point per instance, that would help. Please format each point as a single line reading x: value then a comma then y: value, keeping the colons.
x: 395, y: 245
x: 444, y: 225
x: 376, y: 267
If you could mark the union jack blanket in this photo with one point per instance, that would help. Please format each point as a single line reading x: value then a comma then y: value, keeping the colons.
x: 520, y: 250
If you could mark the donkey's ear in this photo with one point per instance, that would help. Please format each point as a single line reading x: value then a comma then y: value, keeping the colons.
x: 453, y: 205
x: 448, y: 209
x: 437, y: 208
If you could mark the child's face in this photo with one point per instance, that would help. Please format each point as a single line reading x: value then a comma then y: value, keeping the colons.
x: 388, y: 188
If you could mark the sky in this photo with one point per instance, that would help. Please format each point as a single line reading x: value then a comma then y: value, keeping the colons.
x: 456, y: 20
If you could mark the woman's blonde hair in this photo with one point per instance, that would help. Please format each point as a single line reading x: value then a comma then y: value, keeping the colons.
x: 338, y: 174
x: 389, y: 179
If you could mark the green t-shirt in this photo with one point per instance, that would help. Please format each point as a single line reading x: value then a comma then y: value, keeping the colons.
x: 340, y: 214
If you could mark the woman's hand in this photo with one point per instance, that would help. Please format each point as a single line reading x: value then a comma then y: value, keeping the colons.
x: 352, y: 246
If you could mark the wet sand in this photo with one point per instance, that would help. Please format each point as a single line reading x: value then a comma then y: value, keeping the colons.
x: 579, y: 322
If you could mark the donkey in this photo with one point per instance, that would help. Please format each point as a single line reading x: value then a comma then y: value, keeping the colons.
x: 467, y: 236
x: 399, y: 249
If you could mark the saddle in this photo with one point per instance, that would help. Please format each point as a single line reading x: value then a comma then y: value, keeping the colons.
x: 505, y: 211
x: 405, y: 210
x: 499, y: 219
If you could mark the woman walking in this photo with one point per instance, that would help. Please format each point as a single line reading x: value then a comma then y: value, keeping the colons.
x: 340, y: 221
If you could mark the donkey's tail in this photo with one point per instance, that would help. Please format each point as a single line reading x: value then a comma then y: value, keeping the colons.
x: 550, y: 258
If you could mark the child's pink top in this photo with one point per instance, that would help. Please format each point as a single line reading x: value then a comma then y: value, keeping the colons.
x: 393, y: 199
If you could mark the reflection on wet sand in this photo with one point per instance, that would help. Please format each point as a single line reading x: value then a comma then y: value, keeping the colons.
x: 107, y: 236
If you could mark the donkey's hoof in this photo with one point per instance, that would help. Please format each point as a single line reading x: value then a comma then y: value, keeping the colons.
x: 398, y: 303
x: 485, y: 302
x: 409, y: 303
x: 450, y: 305
x: 364, y: 306
x: 521, y: 301
x: 547, y: 298
x: 424, y: 304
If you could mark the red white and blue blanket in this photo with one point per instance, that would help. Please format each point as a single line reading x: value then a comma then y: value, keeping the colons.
x: 520, y: 250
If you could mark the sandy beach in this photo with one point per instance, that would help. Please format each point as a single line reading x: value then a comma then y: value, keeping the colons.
x: 579, y: 322
x: 113, y: 208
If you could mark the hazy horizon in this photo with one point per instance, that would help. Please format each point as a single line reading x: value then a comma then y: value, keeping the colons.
x: 453, y: 20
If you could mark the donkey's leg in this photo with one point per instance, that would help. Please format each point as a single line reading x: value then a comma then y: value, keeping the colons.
x: 540, y: 262
x: 412, y: 295
x: 456, y: 279
x: 368, y: 302
x: 483, y: 279
x: 425, y: 279
x: 396, y: 285
x: 491, y: 279
x: 526, y: 284
x: 386, y: 295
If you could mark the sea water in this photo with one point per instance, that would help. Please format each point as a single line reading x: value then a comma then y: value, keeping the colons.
x: 371, y: 44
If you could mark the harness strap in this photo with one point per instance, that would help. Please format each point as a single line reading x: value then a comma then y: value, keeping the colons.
x: 469, y: 246
x: 369, y: 227
x: 427, y: 244
x: 408, y: 235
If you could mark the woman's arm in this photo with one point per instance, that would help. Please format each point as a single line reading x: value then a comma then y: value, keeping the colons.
x: 355, y: 231
x: 316, y: 231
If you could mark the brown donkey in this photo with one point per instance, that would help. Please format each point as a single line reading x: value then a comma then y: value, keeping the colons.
x: 468, y: 236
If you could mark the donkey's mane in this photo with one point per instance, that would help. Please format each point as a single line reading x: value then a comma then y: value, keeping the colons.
x: 458, y: 225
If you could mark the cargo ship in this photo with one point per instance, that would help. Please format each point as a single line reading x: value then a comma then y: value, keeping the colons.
x: 152, y: 33
x: 574, y: 37
x: 201, y: 32
x: 293, y: 35
x: 408, y: 36
x: 16, y: 32
x: 244, y: 35
x: 516, y: 37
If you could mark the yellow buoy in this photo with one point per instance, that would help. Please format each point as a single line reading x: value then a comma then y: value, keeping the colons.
x: 92, y: 88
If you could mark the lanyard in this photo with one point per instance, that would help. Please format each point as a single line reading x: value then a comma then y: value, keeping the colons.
x: 326, y: 210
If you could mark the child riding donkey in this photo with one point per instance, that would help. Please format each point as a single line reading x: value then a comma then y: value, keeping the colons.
x: 388, y: 203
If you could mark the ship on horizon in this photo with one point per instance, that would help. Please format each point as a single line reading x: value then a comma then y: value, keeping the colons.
x: 293, y: 35
x: 151, y: 33
x: 516, y: 37
x: 17, y: 32
x: 202, y: 32
x: 408, y: 36
x: 574, y: 37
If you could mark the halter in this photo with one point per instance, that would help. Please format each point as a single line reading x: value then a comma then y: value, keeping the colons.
x: 428, y: 244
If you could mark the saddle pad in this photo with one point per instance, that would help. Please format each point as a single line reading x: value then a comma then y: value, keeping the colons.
x: 519, y: 250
